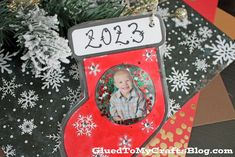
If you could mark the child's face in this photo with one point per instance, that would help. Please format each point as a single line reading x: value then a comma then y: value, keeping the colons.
x: 123, y: 82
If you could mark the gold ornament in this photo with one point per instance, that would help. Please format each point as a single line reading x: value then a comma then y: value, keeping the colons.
x: 17, y: 4
x: 181, y: 13
x: 140, y: 6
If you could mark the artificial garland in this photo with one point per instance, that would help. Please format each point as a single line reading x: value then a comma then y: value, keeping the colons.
x: 37, y: 30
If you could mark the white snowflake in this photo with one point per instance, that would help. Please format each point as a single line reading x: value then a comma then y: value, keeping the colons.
x: 172, y: 107
x: 147, y: 126
x: 99, y: 154
x: 56, y: 138
x: 74, y: 95
x: 205, y: 32
x: 201, y: 65
x: 27, y: 127
x: 165, y: 50
x: 224, y: 52
x: 28, y: 99
x: 182, y: 23
x: 125, y: 142
x: 192, y: 41
x: 53, y: 79
x: 163, y: 12
x: 94, y: 69
x: 84, y: 125
x: 4, y: 61
x: 149, y: 55
x: 74, y: 71
x: 8, y: 150
x: 180, y: 81
x: 9, y: 87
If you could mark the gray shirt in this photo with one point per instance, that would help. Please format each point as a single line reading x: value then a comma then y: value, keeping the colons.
x: 128, y: 108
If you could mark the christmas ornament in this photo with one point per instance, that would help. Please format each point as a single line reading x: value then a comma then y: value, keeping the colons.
x: 140, y: 6
x: 121, y: 72
x: 181, y: 13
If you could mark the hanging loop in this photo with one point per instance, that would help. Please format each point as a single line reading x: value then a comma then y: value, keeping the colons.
x: 154, y: 11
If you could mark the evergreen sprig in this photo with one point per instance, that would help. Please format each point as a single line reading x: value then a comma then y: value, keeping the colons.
x: 71, y: 12
x: 7, y: 18
x: 43, y: 48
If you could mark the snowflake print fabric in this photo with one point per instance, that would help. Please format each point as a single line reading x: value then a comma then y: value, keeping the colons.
x: 173, y: 107
x: 74, y: 96
x: 27, y: 126
x: 180, y: 81
x: 224, y: 51
x: 8, y: 150
x: 56, y: 137
x: 192, y: 41
x: 9, y: 87
x: 28, y: 99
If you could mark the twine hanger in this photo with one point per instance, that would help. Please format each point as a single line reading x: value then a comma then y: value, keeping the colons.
x: 152, y: 6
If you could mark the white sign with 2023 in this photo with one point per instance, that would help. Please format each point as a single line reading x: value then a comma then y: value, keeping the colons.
x: 114, y: 36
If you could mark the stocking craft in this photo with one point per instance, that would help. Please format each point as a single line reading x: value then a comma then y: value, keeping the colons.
x: 125, y: 96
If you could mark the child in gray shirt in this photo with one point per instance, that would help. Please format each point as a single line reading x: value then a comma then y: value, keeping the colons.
x: 128, y: 102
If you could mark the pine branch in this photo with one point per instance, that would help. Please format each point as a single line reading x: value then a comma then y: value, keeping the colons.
x: 37, y: 35
x: 7, y: 18
x: 71, y: 12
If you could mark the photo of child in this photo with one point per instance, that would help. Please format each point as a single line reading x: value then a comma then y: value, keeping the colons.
x: 125, y: 94
x: 128, y: 102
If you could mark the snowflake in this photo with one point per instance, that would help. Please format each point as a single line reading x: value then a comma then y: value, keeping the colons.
x: 182, y: 23
x: 125, y: 142
x: 164, y: 13
x: 4, y: 59
x: 84, y: 125
x: 180, y: 80
x: 205, y: 32
x: 192, y: 41
x: 149, y: 55
x: 99, y: 154
x: 74, y: 71
x: 165, y: 50
x: 28, y: 99
x: 8, y: 150
x: 201, y: 65
x: 147, y: 126
x: 224, y: 52
x: 56, y: 137
x: 27, y: 127
x: 74, y: 95
x: 94, y: 69
x: 172, y: 107
x: 53, y: 79
x: 9, y: 87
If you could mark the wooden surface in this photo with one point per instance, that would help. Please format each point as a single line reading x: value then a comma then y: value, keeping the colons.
x: 225, y: 22
x: 214, y: 98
